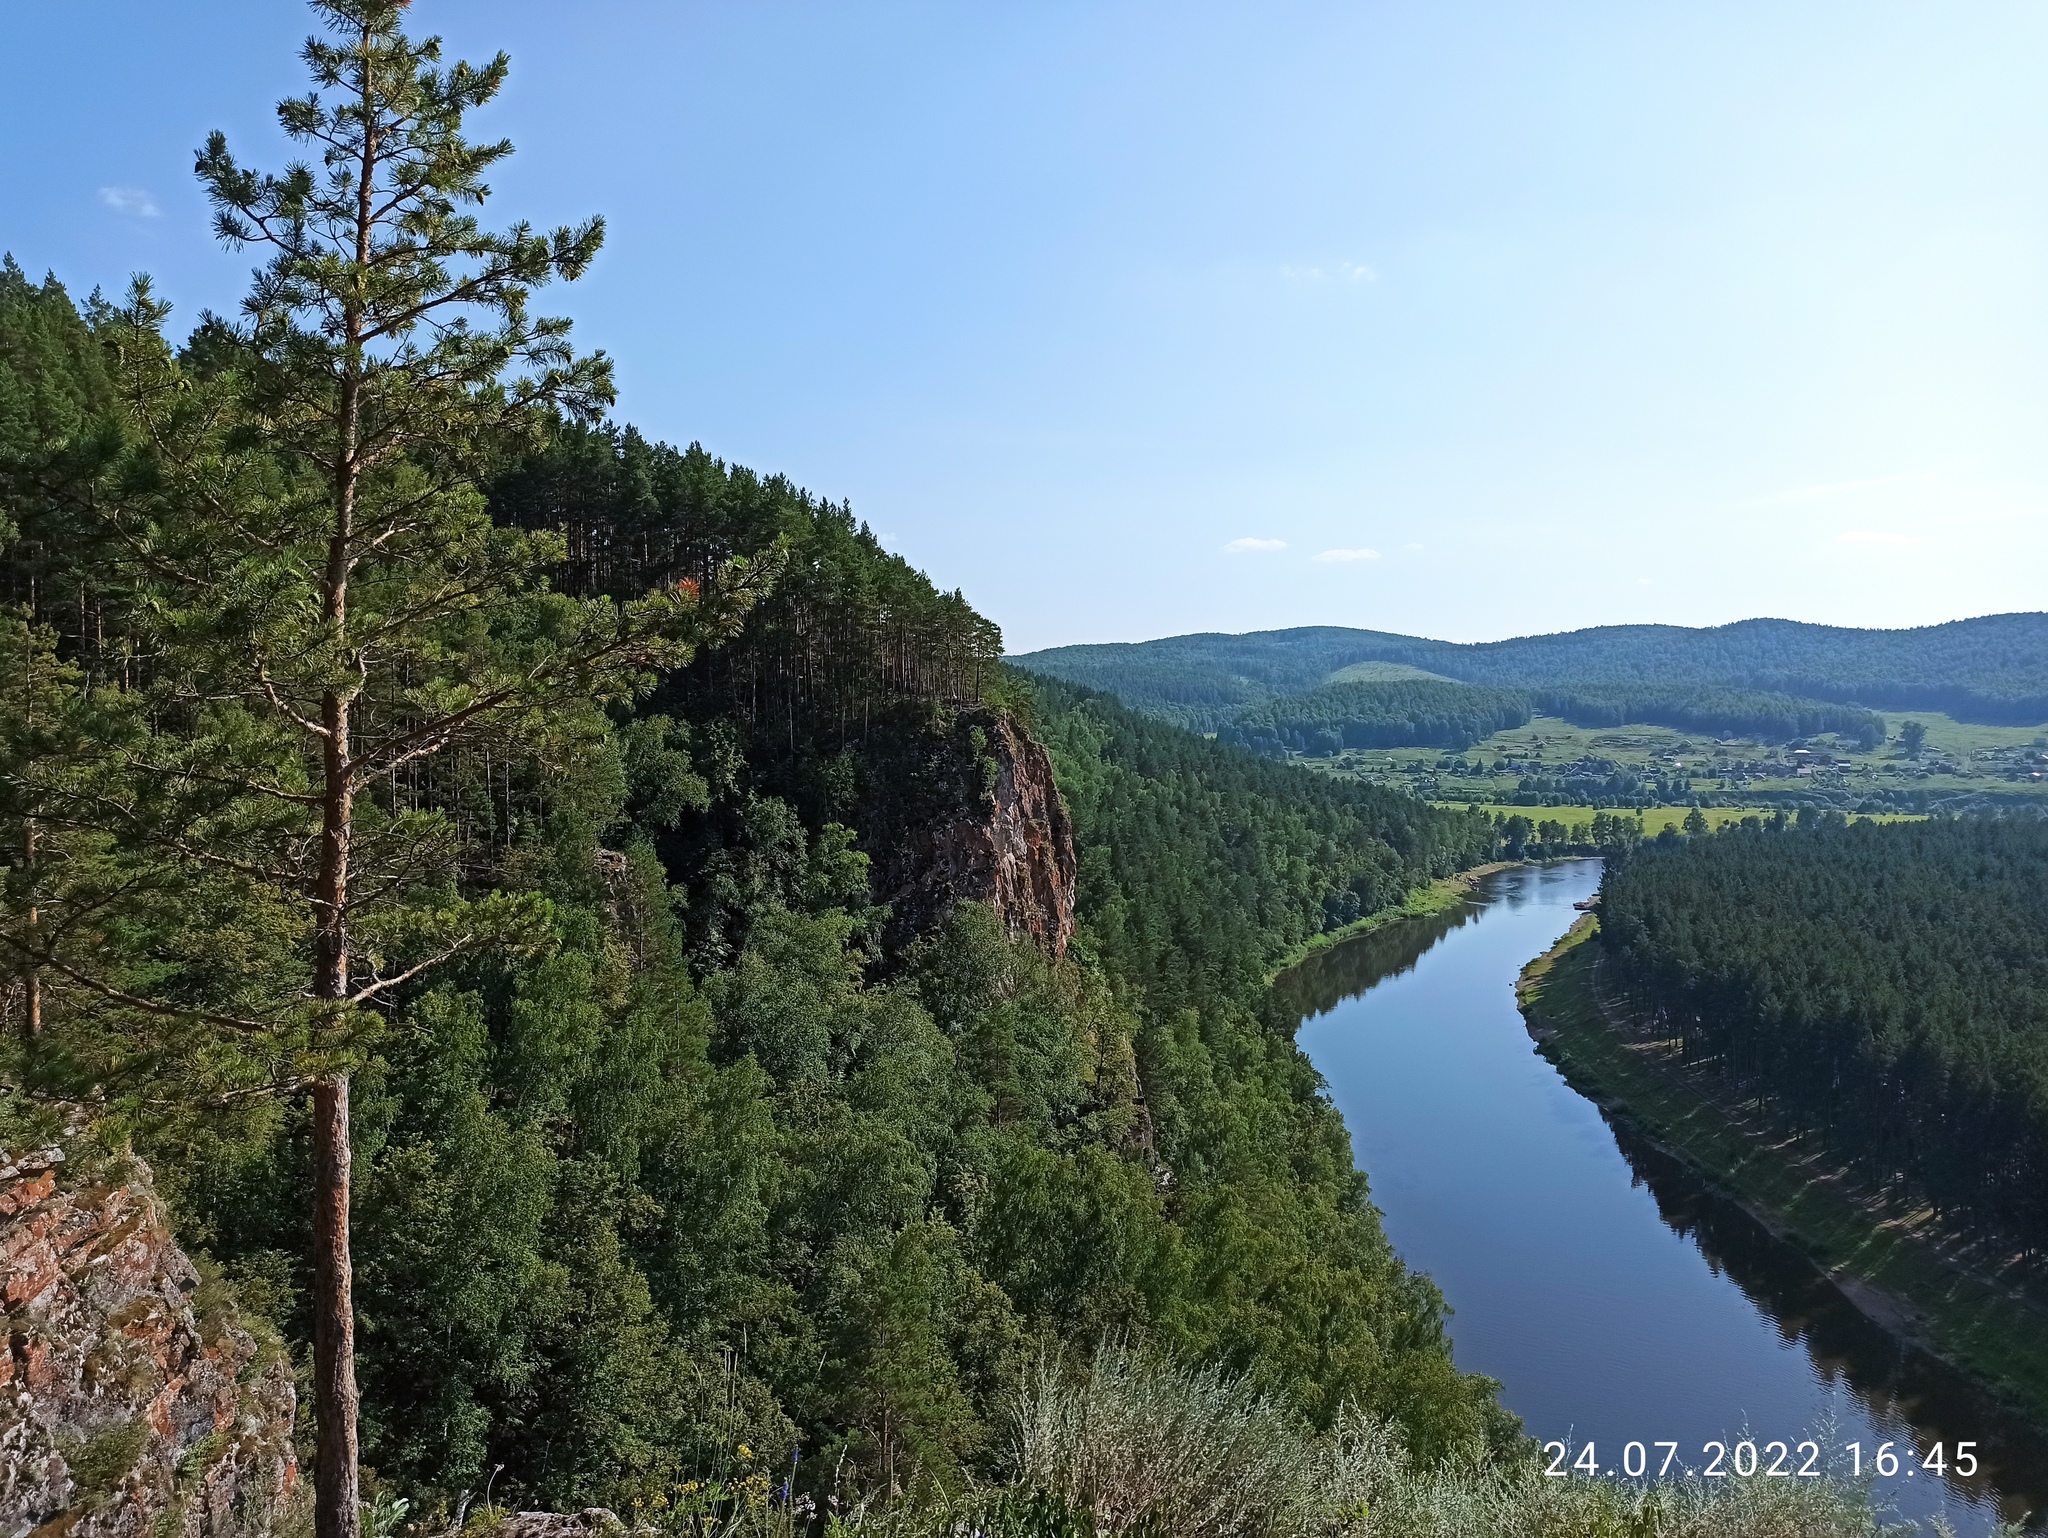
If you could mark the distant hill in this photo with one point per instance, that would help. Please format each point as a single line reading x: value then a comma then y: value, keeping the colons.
x: 1992, y: 670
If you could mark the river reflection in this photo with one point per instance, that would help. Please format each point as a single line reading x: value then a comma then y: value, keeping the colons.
x: 1615, y: 1295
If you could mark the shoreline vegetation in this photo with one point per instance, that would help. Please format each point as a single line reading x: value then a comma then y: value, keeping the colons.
x: 1881, y: 1253
x: 1440, y: 894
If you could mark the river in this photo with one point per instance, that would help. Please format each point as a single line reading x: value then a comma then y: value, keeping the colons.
x: 1615, y: 1296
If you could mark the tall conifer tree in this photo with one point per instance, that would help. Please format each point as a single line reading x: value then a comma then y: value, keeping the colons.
x: 295, y: 534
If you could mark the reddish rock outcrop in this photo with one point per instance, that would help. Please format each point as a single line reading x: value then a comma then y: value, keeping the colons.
x: 1000, y: 836
x: 132, y: 1402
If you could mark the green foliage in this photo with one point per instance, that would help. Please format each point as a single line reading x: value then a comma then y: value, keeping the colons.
x: 1201, y: 865
x: 54, y: 391
x: 1884, y: 985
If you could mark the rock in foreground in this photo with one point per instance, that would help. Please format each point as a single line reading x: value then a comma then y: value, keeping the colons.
x: 132, y: 1401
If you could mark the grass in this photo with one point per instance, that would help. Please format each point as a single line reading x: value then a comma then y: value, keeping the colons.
x: 1979, y: 1322
x: 1380, y: 673
x: 1135, y: 1445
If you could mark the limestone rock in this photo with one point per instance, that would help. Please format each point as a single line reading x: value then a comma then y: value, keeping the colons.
x: 989, y: 827
x: 132, y: 1401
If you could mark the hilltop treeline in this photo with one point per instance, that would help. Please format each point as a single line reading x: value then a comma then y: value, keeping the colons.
x: 708, y: 1160
x: 1885, y: 987
x: 845, y: 626
x: 1993, y: 669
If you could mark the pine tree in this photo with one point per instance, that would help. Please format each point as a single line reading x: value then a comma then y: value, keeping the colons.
x: 322, y: 611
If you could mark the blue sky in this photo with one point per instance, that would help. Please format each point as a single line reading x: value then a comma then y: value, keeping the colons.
x: 1135, y: 319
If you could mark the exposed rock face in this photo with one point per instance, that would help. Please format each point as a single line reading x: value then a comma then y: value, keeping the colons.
x: 132, y: 1403
x: 999, y: 835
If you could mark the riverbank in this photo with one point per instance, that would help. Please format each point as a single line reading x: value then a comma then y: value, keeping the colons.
x: 1881, y: 1255
x: 1445, y: 892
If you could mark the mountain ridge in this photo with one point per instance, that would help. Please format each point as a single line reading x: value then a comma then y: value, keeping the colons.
x: 1989, y: 668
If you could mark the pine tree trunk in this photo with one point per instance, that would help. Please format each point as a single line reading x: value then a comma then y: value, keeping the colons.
x: 336, y: 1497
x: 32, y: 979
x: 337, y: 1510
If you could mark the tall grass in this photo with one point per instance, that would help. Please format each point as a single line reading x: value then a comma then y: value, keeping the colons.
x: 1133, y: 1445
x: 1139, y: 1447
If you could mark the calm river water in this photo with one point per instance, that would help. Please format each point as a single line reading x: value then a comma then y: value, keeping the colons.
x: 1615, y: 1297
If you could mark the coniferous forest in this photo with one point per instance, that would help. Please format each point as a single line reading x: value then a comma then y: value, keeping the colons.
x: 1883, y: 986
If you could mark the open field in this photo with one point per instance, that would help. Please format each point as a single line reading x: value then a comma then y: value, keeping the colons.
x: 1988, y: 1325
x: 1657, y: 818
x: 1674, y: 767
x: 1380, y: 673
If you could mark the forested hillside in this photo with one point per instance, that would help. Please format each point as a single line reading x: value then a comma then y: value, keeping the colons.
x: 702, y: 1151
x: 1884, y: 986
x: 1722, y: 712
x: 1992, y: 670
x: 1395, y: 713
x: 1199, y: 680
x: 1425, y: 711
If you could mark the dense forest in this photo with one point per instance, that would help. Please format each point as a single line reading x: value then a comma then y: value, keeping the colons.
x: 1993, y: 669
x: 1720, y: 712
x: 667, y: 1150
x: 1395, y: 713
x: 1202, y: 865
x: 1885, y: 987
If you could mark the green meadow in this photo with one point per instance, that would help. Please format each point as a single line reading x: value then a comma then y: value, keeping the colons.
x: 1955, y: 759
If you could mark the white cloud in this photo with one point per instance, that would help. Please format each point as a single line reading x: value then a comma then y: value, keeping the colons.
x: 1343, y: 272
x: 130, y: 200
x: 1875, y: 537
x: 1255, y: 546
x: 1411, y: 546
x: 1332, y: 557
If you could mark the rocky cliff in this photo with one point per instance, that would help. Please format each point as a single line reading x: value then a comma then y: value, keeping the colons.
x: 132, y: 1400
x: 990, y: 828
